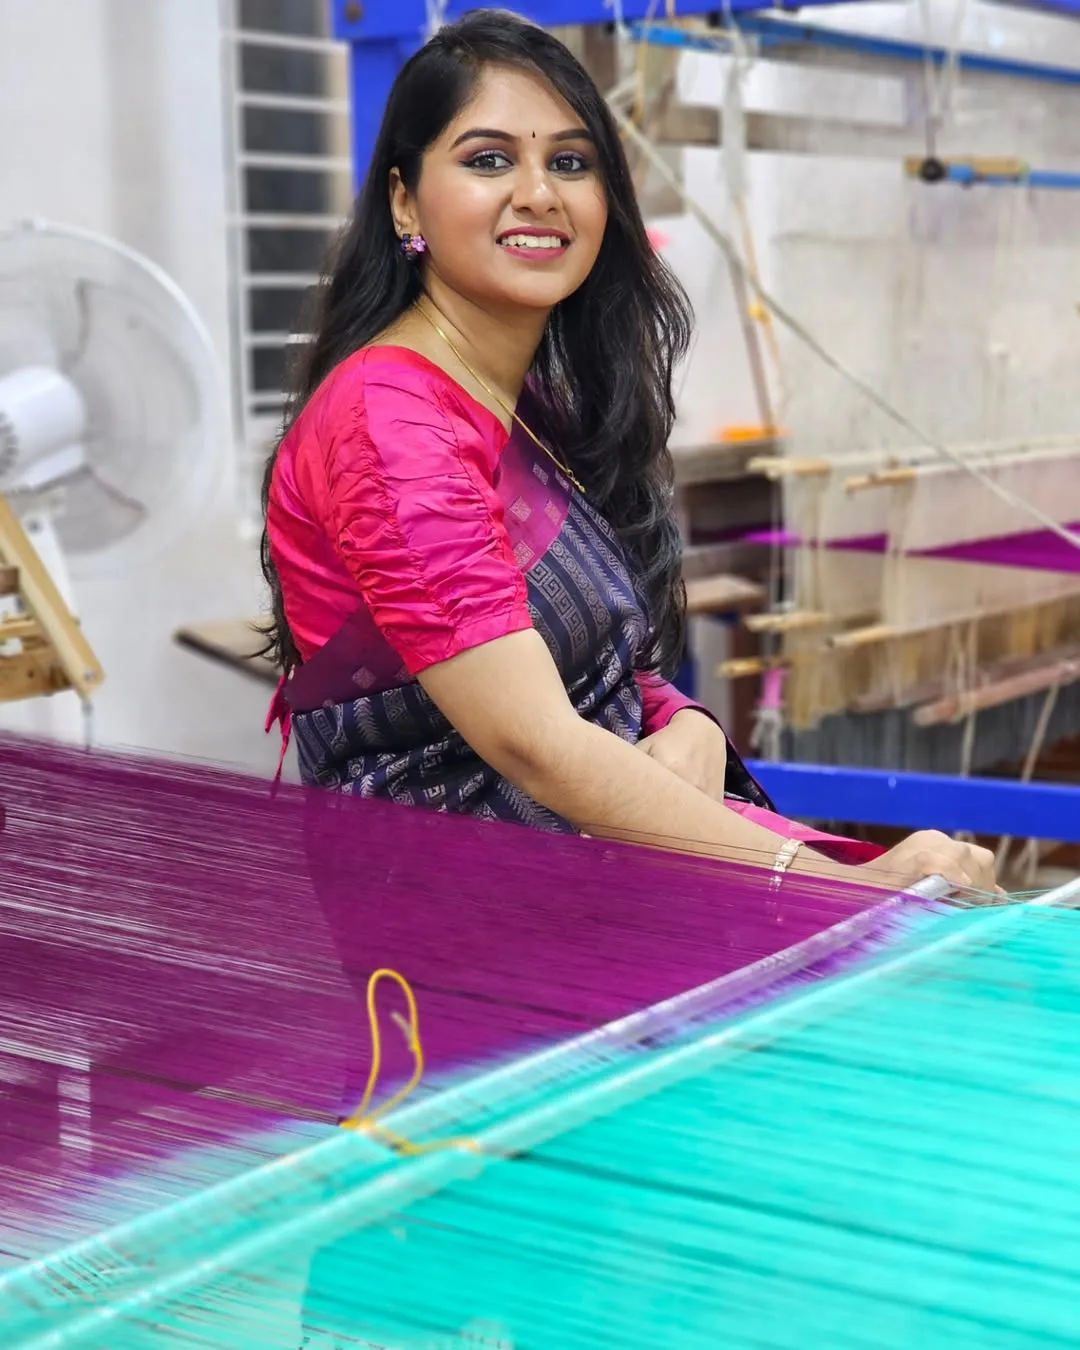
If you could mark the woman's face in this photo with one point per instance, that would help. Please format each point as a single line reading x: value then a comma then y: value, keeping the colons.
x: 510, y: 198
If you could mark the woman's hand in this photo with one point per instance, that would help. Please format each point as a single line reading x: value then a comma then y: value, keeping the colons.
x: 694, y: 748
x: 929, y: 854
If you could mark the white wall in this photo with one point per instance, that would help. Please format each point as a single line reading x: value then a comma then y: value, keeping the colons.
x: 113, y: 117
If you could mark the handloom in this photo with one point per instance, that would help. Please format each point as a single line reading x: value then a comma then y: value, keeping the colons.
x: 663, y: 1101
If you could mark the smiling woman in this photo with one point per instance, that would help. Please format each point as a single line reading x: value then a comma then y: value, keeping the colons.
x: 512, y: 206
x: 470, y: 544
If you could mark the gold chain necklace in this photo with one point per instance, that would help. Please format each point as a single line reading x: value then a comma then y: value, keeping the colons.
x: 510, y: 412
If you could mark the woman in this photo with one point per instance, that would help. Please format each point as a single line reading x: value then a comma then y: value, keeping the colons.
x: 470, y: 545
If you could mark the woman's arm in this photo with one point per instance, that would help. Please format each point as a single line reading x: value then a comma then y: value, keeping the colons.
x: 682, y: 735
x: 661, y: 702
x: 508, y: 702
x: 406, y: 490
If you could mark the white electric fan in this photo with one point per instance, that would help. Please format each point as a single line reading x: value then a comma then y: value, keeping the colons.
x: 110, y: 416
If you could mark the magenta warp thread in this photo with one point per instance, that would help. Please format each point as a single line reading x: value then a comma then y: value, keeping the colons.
x: 205, y: 947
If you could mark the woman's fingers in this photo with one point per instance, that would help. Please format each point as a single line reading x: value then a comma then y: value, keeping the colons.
x: 964, y: 865
x: 980, y: 866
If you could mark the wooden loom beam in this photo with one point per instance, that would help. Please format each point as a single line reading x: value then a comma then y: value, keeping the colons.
x: 51, y: 652
x: 955, y: 707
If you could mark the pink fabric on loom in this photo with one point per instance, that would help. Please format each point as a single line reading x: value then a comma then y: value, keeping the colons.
x: 851, y: 851
x: 1038, y: 550
x: 204, y: 949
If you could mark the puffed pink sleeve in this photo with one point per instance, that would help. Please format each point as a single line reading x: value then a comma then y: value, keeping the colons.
x: 412, y: 507
x: 661, y: 701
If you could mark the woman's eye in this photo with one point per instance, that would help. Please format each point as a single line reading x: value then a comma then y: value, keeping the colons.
x: 488, y: 161
x: 568, y: 161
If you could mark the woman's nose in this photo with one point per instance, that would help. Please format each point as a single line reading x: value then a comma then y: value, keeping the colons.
x: 534, y: 189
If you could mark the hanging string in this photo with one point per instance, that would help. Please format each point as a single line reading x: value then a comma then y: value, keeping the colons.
x: 940, y: 85
x: 365, y: 1120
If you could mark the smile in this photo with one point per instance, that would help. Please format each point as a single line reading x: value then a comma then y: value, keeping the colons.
x: 534, y: 243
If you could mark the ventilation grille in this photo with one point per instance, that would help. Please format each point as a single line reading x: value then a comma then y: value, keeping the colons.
x: 291, y: 186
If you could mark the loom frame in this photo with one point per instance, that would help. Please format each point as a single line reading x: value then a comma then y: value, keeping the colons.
x: 383, y: 34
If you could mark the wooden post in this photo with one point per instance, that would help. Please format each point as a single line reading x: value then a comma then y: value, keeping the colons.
x: 43, y: 651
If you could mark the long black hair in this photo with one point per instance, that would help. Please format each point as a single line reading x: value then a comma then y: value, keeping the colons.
x: 605, y: 364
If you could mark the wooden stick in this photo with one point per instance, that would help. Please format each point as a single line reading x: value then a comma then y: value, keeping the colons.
x: 864, y: 637
x: 861, y: 637
x: 17, y: 629
x: 739, y: 667
x: 982, y: 166
x: 234, y: 644
x: 958, y: 706
x: 934, y: 688
x: 73, y: 654
x: 780, y: 466
x: 786, y: 621
x: 882, y: 478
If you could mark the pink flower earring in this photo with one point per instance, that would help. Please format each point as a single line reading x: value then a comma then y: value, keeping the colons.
x: 412, y: 245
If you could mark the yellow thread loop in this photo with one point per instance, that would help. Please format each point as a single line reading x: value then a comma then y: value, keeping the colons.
x: 366, y: 1120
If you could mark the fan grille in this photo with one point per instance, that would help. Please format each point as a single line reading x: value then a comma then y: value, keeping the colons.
x: 123, y: 333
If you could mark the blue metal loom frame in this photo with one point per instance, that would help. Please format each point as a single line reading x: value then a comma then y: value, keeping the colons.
x: 383, y: 34
x: 922, y: 801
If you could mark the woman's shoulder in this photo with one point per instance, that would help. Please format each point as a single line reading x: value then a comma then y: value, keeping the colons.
x: 392, y: 409
x: 379, y: 389
x: 380, y: 376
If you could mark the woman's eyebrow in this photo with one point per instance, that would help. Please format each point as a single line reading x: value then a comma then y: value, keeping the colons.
x: 492, y: 134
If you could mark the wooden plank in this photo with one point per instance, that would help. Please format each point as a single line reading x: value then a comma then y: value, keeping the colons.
x: 734, y: 557
x: 723, y: 595
x: 720, y: 461
x: 12, y: 630
x: 994, y: 694
x: 33, y: 674
x: 74, y: 654
x: 9, y: 580
x: 726, y: 508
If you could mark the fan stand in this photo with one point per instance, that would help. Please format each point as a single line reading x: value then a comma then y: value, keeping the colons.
x: 49, y: 653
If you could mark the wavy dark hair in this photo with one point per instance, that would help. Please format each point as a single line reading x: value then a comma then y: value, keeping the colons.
x: 605, y: 364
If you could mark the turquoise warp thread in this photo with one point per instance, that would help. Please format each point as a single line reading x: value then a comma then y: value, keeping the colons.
x: 903, y: 1173
x: 891, y: 1161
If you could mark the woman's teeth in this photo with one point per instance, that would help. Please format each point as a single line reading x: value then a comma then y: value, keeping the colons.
x: 532, y: 241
